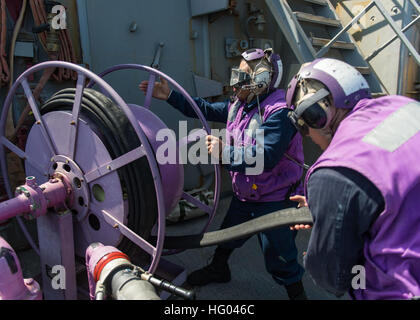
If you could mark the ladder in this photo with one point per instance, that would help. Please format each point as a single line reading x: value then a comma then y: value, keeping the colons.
x: 308, y: 26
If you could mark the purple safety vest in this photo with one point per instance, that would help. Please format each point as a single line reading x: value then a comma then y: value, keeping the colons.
x: 273, y: 184
x: 380, y: 139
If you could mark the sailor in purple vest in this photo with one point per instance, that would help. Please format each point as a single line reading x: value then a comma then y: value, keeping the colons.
x: 257, y: 107
x: 363, y: 192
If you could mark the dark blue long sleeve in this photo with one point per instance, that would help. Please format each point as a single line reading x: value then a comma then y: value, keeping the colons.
x: 344, y: 204
x: 278, y: 133
x: 217, y: 111
x: 278, y: 130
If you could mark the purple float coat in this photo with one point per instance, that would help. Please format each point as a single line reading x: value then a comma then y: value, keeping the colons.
x: 380, y: 139
x: 273, y: 184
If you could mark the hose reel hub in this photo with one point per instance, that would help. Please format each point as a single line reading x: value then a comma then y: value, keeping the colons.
x: 63, y: 166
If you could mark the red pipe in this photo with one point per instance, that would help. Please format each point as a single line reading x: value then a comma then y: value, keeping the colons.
x: 4, y: 67
x: 14, y: 7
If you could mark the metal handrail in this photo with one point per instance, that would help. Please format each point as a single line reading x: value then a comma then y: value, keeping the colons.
x: 415, y: 5
x: 399, y: 32
x: 328, y: 46
x: 375, y: 53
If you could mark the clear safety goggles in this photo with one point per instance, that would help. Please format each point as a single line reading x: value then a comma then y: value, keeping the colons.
x: 239, y: 78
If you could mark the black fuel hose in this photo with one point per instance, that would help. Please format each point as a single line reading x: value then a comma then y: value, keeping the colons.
x: 281, y: 218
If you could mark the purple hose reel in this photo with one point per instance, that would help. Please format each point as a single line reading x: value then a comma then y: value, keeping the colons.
x: 65, y: 145
x: 172, y: 175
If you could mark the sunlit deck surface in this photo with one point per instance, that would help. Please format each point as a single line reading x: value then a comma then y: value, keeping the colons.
x: 250, y: 280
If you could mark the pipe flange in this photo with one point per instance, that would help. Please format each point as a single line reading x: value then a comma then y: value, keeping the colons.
x: 35, y: 199
x: 64, y: 166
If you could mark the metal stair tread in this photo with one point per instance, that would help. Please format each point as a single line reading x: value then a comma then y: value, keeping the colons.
x: 320, y: 42
x: 307, y: 17
x: 364, y: 70
x: 378, y: 94
x: 319, y: 2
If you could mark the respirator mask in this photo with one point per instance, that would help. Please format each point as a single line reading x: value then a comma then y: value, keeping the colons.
x: 257, y: 81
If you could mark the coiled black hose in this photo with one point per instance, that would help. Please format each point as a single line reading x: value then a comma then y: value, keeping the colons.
x: 119, y: 137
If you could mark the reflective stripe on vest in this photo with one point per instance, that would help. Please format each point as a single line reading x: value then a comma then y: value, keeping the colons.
x: 397, y: 129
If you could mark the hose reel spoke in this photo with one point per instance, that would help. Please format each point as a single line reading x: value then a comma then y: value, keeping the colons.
x: 197, y: 203
x: 149, y: 94
x: 37, y: 114
x: 75, y: 114
x: 124, y: 230
x: 115, y: 164
x: 21, y: 154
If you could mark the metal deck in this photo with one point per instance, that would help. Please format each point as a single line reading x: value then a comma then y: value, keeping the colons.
x: 250, y: 280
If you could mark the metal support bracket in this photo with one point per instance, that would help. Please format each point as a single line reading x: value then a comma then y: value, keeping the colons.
x: 56, y: 245
x: 156, y: 60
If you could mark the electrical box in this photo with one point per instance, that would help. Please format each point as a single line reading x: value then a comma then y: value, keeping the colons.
x: 24, y: 49
x: 235, y: 47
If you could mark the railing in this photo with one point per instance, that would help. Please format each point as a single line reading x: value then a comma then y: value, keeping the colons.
x: 399, y: 32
